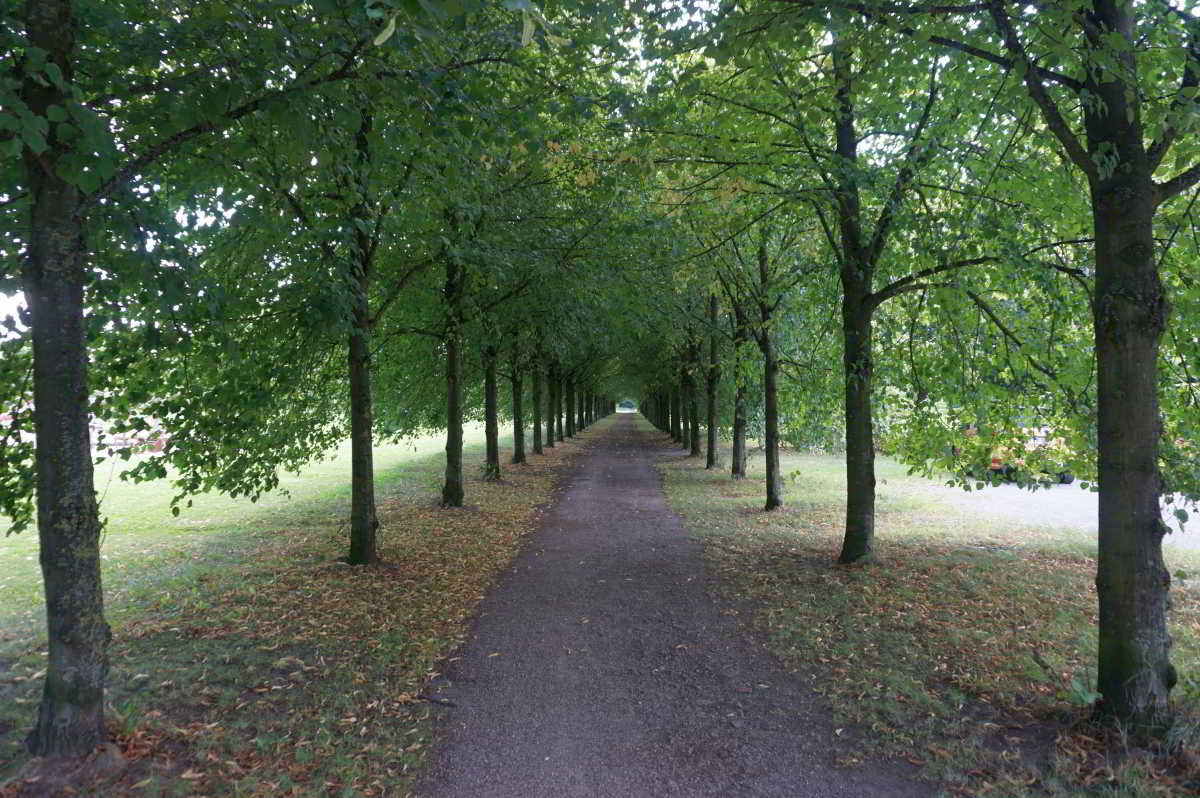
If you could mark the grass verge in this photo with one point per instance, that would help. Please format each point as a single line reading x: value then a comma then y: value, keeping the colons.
x: 966, y: 648
x: 247, y: 661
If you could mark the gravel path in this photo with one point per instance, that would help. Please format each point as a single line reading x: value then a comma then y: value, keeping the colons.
x: 600, y: 666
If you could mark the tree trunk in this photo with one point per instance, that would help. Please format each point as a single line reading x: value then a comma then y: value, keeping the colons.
x: 1132, y: 582
x: 518, y: 389
x: 857, y: 269
x: 712, y: 377
x: 551, y: 383
x: 570, y: 407
x: 676, y: 423
x: 771, y: 408
x: 491, y: 420
x: 1135, y: 675
x: 559, y: 430
x: 694, y: 417
x: 536, y: 400
x: 452, y: 490
x: 738, y: 469
x: 364, y: 522
x: 770, y: 389
x: 858, y: 543
x: 70, y: 719
x: 685, y: 409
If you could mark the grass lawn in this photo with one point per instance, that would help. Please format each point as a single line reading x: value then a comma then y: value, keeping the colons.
x: 967, y: 648
x: 246, y: 660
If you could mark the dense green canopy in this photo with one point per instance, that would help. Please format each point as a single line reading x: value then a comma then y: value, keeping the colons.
x: 255, y: 228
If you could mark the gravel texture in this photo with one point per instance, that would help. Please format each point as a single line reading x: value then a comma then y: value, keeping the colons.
x: 600, y: 665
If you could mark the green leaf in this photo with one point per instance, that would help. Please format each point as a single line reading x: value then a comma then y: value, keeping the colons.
x: 386, y: 33
x: 527, y: 28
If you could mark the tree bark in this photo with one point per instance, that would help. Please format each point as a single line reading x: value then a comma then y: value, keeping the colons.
x: 738, y: 469
x: 518, y: 390
x: 676, y: 423
x: 364, y: 522
x: 694, y: 409
x: 559, y: 430
x: 685, y: 411
x: 570, y: 407
x: 771, y: 409
x: 858, y: 543
x: 536, y: 400
x: 1132, y: 582
x: 857, y: 275
x: 712, y: 377
x: 70, y: 720
x: 551, y: 383
x: 452, y: 490
x: 491, y: 415
x: 770, y: 382
x: 1135, y: 674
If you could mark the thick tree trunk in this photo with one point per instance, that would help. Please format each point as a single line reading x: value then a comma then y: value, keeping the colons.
x: 1135, y: 674
x: 491, y: 416
x: 858, y: 543
x: 70, y: 719
x: 712, y: 376
x: 452, y: 490
x: 536, y: 400
x: 857, y: 269
x: 364, y: 522
x: 518, y: 389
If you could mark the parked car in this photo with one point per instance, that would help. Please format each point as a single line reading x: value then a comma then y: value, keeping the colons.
x: 1042, y: 450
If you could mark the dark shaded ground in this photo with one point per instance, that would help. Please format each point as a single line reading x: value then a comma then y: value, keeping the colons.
x: 600, y: 666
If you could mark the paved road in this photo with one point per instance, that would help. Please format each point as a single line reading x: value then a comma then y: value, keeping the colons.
x: 600, y: 666
x: 1062, y: 506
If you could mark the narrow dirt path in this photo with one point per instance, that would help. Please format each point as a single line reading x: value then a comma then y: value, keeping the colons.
x: 600, y: 666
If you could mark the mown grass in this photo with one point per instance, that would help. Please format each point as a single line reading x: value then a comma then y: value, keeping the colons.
x: 248, y: 661
x: 966, y: 648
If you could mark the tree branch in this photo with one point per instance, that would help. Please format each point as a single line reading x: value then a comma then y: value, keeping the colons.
x: 179, y: 138
x: 1037, y: 90
x: 1190, y: 80
x: 910, y: 282
x: 1176, y: 185
x: 913, y: 160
